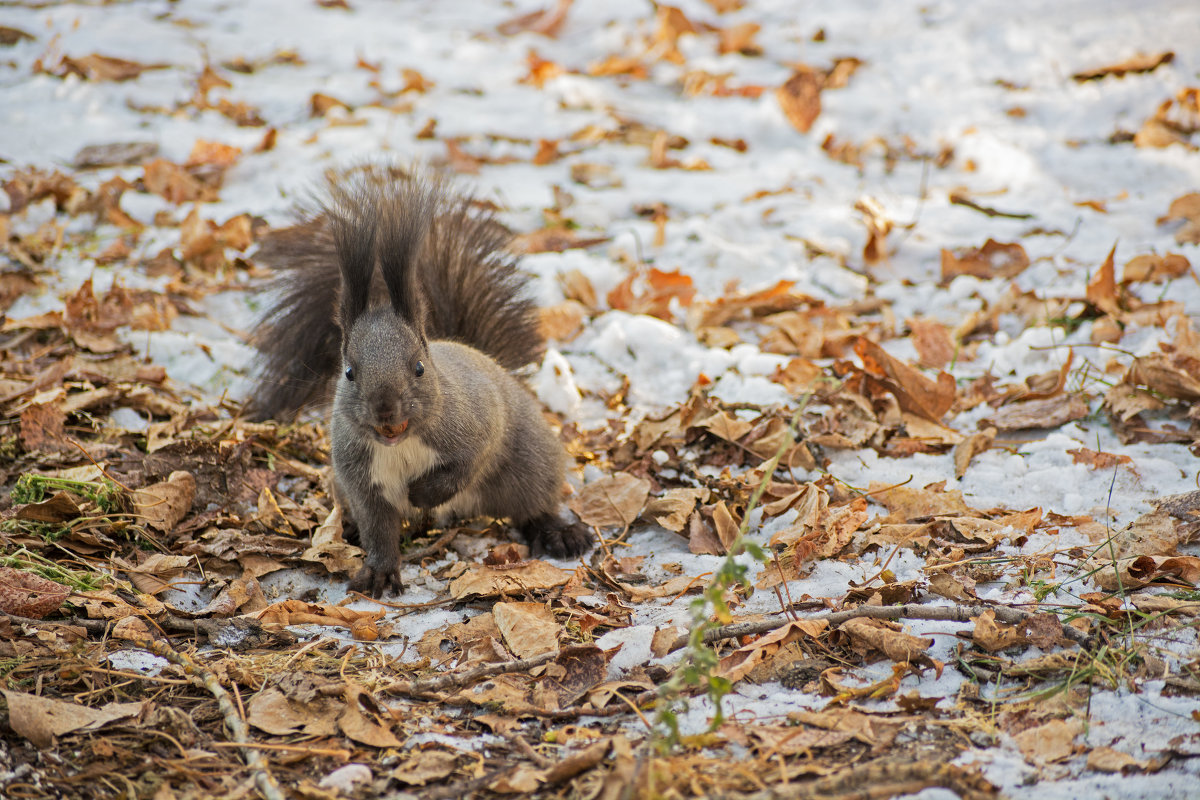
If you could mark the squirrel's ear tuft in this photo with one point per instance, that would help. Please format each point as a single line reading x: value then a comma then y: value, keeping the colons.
x: 352, y: 213
x: 407, y: 212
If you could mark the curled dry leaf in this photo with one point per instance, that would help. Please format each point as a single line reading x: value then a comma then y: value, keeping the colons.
x: 364, y: 720
x: 672, y: 509
x: 27, y: 595
x: 297, y: 612
x: 742, y: 661
x: 164, y: 504
x: 888, y: 639
x: 968, y: 448
x: 330, y: 549
x: 913, y: 391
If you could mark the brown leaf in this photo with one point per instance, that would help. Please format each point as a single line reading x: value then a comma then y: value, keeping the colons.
x: 293, y: 707
x: 60, y: 507
x: 934, y: 345
x: 39, y: 719
x: 529, y: 629
x: 547, y: 22
x: 42, y: 427
x: 1106, y: 759
x: 1138, y: 63
x: 907, y: 504
x: 96, y: 67
x: 1155, y: 268
x: 365, y: 721
x: 673, y: 508
x: 330, y: 549
x: 968, y: 448
x: 321, y: 104
x: 1102, y: 288
x: 1096, y: 459
x: 1174, y: 521
x: 800, y: 98
x: 879, y: 635
x: 739, y: 39
x: 10, y: 36
x: 1048, y: 412
x: 482, y: 580
x: 913, y: 391
x: 297, y: 612
x: 423, y: 766
x: 115, y: 154
x: 28, y: 595
x: 993, y: 260
x: 614, y: 501
x: 553, y: 239
x: 727, y: 526
x: 1176, y: 378
x: 742, y: 661
x: 1051, y: 742
x: 163, y: 505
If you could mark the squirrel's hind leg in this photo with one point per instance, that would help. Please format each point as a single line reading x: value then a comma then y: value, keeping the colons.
x: 552, y: 536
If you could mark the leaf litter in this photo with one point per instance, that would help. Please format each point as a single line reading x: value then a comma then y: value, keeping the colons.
x: 979, y: 541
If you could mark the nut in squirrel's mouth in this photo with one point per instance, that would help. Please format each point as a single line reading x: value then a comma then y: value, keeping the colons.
x: 391, y: 434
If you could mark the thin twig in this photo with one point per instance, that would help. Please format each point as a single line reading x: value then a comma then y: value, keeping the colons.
x: 906, y: 611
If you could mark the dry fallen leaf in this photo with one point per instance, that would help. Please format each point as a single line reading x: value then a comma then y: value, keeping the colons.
x: 800, y: 98
x: 24, y: 594
x: 615, y: 501
x: 40, y: 719
x: 529, y: 629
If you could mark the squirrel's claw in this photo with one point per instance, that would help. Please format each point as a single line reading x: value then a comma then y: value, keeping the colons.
x: 376, y: 582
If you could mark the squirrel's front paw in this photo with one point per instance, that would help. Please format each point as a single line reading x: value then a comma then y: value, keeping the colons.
x: 429, y: 491
x: 375, y: 582
x: 553, y: 537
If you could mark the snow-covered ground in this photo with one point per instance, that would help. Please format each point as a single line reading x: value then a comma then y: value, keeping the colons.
x: 987, y: 85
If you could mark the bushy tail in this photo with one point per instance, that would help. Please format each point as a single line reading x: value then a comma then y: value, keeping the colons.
x: 472, y: 288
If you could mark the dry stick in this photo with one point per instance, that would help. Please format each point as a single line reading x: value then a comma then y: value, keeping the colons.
x: 454, y: 680
x: 907, y: 611
x: 237, y: 726
x: 438, y: 546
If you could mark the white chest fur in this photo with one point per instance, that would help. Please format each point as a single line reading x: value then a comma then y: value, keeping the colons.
x: 394, y: 468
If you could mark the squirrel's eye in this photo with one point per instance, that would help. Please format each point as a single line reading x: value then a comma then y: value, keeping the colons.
x: 349, y: 373
x: 420, y: 369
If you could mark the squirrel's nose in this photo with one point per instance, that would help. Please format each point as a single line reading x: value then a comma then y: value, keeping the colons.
x: 385, y: 414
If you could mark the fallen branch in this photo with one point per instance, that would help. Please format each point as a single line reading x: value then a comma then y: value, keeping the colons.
x: 237, y: 726
x: 438, y: 546
x: 1012, y: 616
x: 457, y: 680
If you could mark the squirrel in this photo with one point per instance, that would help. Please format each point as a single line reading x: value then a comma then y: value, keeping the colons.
x: 400, y: 294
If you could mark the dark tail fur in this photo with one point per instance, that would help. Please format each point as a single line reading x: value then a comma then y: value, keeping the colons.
x: 471, y: 289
